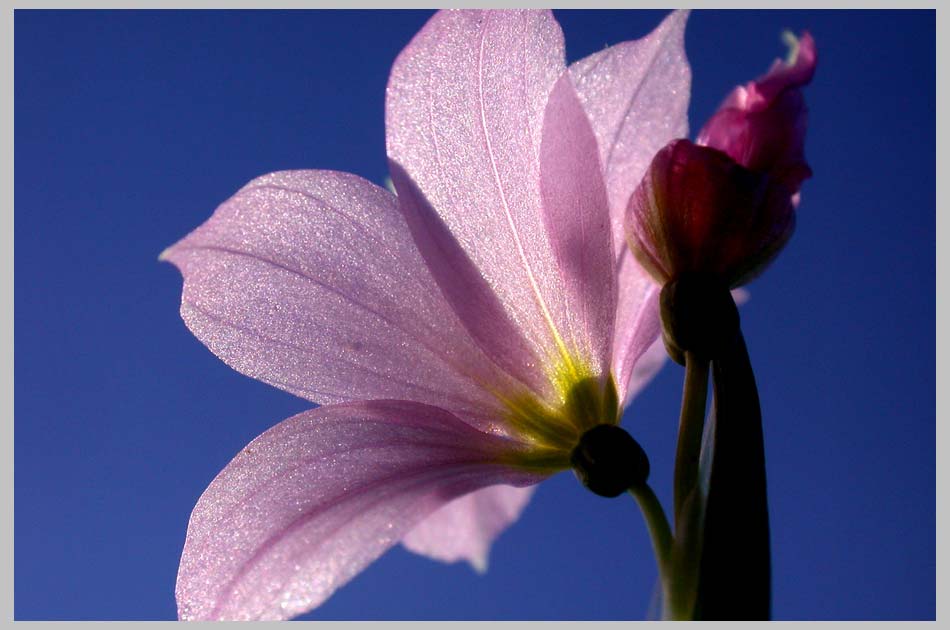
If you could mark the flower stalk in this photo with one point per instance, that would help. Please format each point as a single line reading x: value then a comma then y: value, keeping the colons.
x: 734, y: 584
x: 689, y: 441
x: 707, y: 577
x: 707, y: 217
x: 660, y: 535
x: 687, y: 498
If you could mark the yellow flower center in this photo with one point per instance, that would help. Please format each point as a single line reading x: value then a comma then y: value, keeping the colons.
x: 581, y: 401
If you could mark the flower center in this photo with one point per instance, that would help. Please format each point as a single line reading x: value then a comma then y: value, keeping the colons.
x: 581, y: 401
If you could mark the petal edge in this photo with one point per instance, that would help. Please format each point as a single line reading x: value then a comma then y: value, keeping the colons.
x: 301, y: 510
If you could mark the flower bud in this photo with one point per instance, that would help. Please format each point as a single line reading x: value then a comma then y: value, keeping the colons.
x: 699, y: 212
x: 725, y: 205
x: 761, y: 125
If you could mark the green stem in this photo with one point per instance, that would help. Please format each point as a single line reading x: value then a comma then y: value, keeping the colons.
x: 687, y: 502
x: 660, y: 534
x: 690, y: 440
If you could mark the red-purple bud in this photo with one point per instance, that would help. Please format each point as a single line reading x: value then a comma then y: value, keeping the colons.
x: 761, y: 125
x: 725, y: 204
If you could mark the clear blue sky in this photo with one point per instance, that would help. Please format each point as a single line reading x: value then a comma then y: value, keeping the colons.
x: 132, y: 126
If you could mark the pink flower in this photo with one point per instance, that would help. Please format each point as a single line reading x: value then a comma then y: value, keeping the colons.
x: 460, y: 337
x: 726, y: 204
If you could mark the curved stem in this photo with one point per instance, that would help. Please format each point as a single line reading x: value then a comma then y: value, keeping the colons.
x: 735, y: 573
x: 690, y: 439
x: 660, y: 534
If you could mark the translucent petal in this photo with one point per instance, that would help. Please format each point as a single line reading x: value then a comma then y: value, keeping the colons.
x: 464, y: 114
x: 466, y: 528
x: 311, y: 502
x: 636, y: 94
x: 310, y: 281
x: 577, y: 220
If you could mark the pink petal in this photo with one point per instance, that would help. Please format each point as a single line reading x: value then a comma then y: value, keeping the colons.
x: 645, y: 368
x: 465, y: 528
x: 761, y: 125
x: 636, y: 95
x: 577, y: 220
x: 464, y: 113
x: 638, y: 329
x: 462, y: 284
x: 783, y: 76
x: 310, y: 281
x: 314, y: 500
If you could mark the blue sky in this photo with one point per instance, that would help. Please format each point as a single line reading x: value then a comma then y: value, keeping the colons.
x: 131, y: 127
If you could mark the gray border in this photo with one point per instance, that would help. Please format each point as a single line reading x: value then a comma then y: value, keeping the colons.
x: 941, y: 304
x: 410, y: 4
x: 6, y: 289
x: 7, y: 251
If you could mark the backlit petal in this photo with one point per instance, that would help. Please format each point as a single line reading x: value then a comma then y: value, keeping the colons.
x: 464, y: 114
x: 636, y: 95
x: 311, y: 502
x: 637, y: 356
x: 466, y: 528
x: 310, y: 281
x: 577, y: 220
x: 698, y: 211
x: 474, y: 301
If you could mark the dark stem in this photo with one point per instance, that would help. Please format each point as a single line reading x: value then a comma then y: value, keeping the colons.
x: 735, y: 566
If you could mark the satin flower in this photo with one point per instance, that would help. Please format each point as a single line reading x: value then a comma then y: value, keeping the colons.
x: 459, y: 336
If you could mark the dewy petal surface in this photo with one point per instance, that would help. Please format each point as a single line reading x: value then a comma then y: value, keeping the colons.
x: 308, y: 504
x: 466, y: 528
x: 310, y: 281
x: 577, y: 220
x: 636, y: 95
x: 464, y: 114
x: 473, y: 299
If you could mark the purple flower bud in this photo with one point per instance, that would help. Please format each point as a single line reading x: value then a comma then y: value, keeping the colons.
x: 761, y: 125
x: 725, y: 205
x: 699, y: 212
